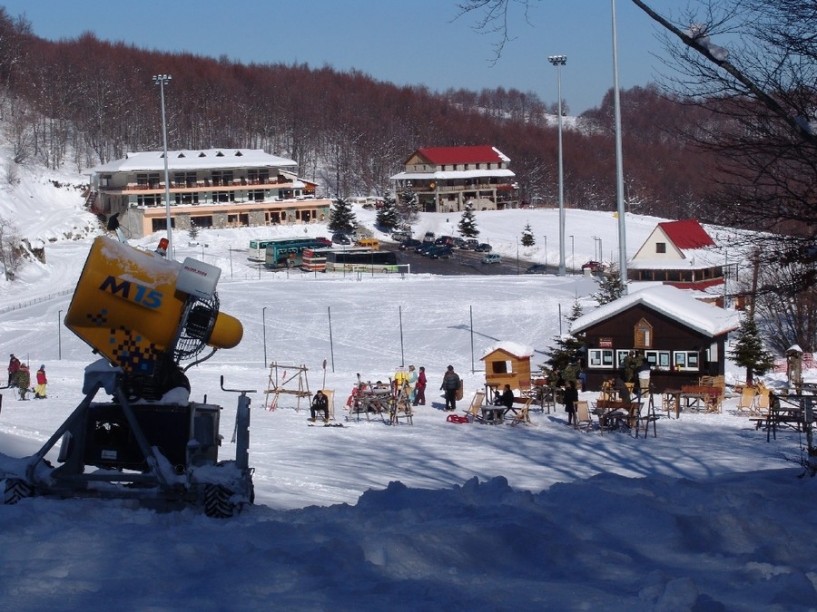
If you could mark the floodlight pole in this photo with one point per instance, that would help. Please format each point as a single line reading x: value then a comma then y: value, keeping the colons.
x: 161, y: 80
x: 559, y: 61
x: 264, y: 333
x: 622, y: 227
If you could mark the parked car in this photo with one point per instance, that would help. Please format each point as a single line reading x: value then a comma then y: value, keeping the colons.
x: 401, y: 236
x: 429, y: 237
x: 339, y: 238
x: 441, y: 251
x: 444, y: 240
x: 471, y: 243
x: 483, y: 247
x: 593, y: 266
x: 491, y: 258
x: 411, y: 243
x: 324, y: 241
x: 537, y: 269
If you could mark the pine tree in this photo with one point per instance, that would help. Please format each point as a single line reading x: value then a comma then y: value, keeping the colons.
x: 342, y: 217
x: 749, y: 352
x: 611, y: 287
x: 527, y: 236
x: 468, y: 224
x: 387, y: 218
x: 568, y: 349
x: 408, y: 208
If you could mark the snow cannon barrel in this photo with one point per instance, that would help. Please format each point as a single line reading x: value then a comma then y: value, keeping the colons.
x: 134, y: 306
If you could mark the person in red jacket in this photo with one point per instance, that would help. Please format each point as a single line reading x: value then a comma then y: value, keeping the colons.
x: 14, y: 366
x: 42, y: 381
x: 420, y: 388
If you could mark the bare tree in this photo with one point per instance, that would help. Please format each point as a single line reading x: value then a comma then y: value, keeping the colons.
x: 10, y: 251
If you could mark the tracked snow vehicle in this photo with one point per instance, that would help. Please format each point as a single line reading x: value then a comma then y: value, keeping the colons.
x: 145, y: 315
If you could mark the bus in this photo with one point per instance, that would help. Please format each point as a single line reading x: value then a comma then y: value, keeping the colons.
x: 258, y: 248
x: 287, y: 252
x: 362, y: 261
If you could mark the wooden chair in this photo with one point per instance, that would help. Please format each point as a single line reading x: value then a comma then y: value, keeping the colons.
x: 582, y: 420
x: 761, y: 404
x: 522, y: 415
x: 474, y: 411
x: 330, y: 401
x: 747, y: 400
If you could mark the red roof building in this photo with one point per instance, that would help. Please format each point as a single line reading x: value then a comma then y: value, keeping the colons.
x: 449, y: 179
x: 678, y: 253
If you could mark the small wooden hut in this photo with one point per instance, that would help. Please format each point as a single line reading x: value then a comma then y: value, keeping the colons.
x: 508, y: 363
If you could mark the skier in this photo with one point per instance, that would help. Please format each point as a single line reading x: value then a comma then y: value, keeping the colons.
x: 42, y: 381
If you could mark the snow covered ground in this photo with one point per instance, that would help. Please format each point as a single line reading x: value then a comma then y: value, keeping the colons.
x: 705, y: 516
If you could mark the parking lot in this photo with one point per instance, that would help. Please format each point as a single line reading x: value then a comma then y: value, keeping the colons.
x: 461, y: 262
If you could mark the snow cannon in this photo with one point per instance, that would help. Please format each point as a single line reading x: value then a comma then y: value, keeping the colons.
x: 145, y: 314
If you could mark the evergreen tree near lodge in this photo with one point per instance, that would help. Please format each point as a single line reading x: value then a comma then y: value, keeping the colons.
x: 567, y: 349
x: 387, y: 218
x: 342, y: 217
x: 611, y: 287
x: 527, y: 236
x: 468, y: 224
x: 748, y: 351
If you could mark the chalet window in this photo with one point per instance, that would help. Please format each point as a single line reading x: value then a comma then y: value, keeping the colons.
x: 600, y: 358
x: 642, y: 335
x: 660, y: 247
x: 501, y: 367
x: 621, y: 357
x: 685, y: 360
x: 658, y: 360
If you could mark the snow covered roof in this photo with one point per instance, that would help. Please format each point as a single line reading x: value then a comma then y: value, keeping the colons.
x: 461, y: 155
x: 689, y: 248
x: 453, y: 174
x: 676, y: 304
x: 195, y: 160
x: 513, y: 348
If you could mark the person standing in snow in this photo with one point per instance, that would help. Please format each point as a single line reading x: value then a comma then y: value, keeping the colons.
x: 23, y: 380
x: 451, y: 384
x: 420, y: 388
x: 42, y: 381
x: 412, y: 382
x: 571, y: 396
x: 14, y: 366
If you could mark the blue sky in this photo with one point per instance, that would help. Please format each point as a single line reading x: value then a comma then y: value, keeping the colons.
x: 419, y: 42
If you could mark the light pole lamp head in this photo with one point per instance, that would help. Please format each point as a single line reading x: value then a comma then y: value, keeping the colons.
x: 557, y: 60
x: 162, y: 79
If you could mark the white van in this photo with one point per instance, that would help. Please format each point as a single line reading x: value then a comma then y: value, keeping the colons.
x: 491, y: 258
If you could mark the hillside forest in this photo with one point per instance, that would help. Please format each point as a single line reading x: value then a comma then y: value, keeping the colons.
x: 83, y: 102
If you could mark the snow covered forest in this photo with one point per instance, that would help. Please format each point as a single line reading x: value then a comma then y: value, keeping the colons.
x: 79, y: 103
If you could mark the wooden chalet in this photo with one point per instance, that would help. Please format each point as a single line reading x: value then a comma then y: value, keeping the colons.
x: 682, y: 337
x: 679, y: 253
